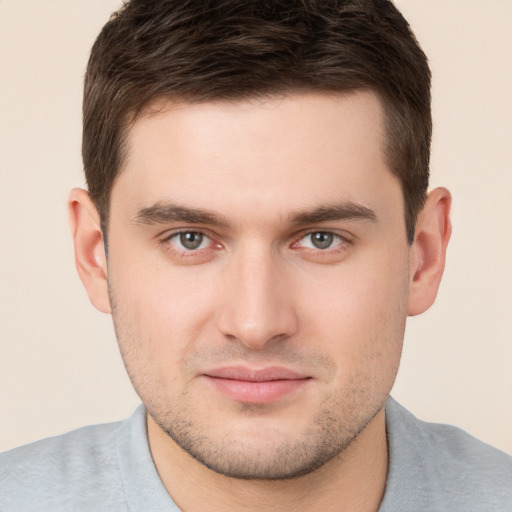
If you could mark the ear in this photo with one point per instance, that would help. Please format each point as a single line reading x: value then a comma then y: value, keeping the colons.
x: 428, y: 251
x: 90, y: 258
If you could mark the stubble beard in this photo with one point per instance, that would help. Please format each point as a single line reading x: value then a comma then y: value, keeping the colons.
x: 339, y: 421
x: 285, y: 459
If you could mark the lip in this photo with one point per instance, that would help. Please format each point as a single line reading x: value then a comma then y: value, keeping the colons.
x: 256, y: 386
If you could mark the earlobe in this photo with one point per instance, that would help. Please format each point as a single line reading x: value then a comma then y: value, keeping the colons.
x: 90, y: 258
x: 428, y: 251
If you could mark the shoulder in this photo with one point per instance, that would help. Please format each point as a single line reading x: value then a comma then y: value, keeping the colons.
x: 104, y: 468
x: 50, y: 474
x: 445, y: 466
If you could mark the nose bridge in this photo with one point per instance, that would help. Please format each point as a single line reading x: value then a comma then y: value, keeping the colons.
x: 258, y: 307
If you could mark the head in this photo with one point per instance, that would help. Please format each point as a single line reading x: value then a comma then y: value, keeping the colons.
x: 260, y: 169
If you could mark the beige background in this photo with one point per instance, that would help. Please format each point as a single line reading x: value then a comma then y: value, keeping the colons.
x: 59, y: 366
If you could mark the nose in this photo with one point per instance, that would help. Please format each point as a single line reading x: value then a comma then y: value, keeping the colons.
x: 258, y: 304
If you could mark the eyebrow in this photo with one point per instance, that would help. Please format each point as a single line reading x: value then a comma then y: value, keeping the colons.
x: 343, y: 211
x: 161, y: 213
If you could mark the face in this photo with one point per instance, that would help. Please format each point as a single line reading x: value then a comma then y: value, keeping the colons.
x: 258, y: 276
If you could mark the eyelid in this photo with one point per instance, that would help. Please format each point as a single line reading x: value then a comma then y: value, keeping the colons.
x: 170, y: 233
x: 344, y: 237
x: 167, y: 236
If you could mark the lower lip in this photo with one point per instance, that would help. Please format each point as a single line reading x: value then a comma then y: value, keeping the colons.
x: 260, y: 392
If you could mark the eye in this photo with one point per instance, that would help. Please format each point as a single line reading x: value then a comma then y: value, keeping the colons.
x: 321, y: 240
x: 190, y: 240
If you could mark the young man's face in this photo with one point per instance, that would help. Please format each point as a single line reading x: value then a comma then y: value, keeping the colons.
x: 259, y: 275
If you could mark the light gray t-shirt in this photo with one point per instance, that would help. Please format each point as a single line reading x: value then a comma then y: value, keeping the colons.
x: 432, y: 468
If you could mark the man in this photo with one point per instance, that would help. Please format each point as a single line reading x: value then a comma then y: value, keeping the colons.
x: 258, y: 225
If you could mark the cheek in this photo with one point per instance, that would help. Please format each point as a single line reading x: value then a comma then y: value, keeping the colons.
x: 359, y: 313
x: 159, y: 315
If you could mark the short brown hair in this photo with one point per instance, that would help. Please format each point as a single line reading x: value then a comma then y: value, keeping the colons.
x: 201, y: 50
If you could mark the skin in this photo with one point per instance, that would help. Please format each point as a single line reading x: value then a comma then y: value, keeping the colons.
x: 252, y: 183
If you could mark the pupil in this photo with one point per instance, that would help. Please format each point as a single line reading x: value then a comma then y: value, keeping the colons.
x: 191, y: 240
x: 322, y: 240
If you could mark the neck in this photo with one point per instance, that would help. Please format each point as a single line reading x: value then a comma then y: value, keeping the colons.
x: 353, y: 480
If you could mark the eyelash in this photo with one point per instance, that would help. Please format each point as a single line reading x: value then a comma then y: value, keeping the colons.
x: 187, y: 253
x: 340, y: 239
x: 184, y: 253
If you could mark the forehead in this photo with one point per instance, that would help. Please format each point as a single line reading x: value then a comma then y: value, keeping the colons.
x: 275, y: 153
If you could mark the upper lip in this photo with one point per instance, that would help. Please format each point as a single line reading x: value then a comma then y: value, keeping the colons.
x: 255, y: 374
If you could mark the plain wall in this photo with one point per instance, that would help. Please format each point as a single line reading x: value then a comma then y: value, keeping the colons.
x: 59, y: 364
